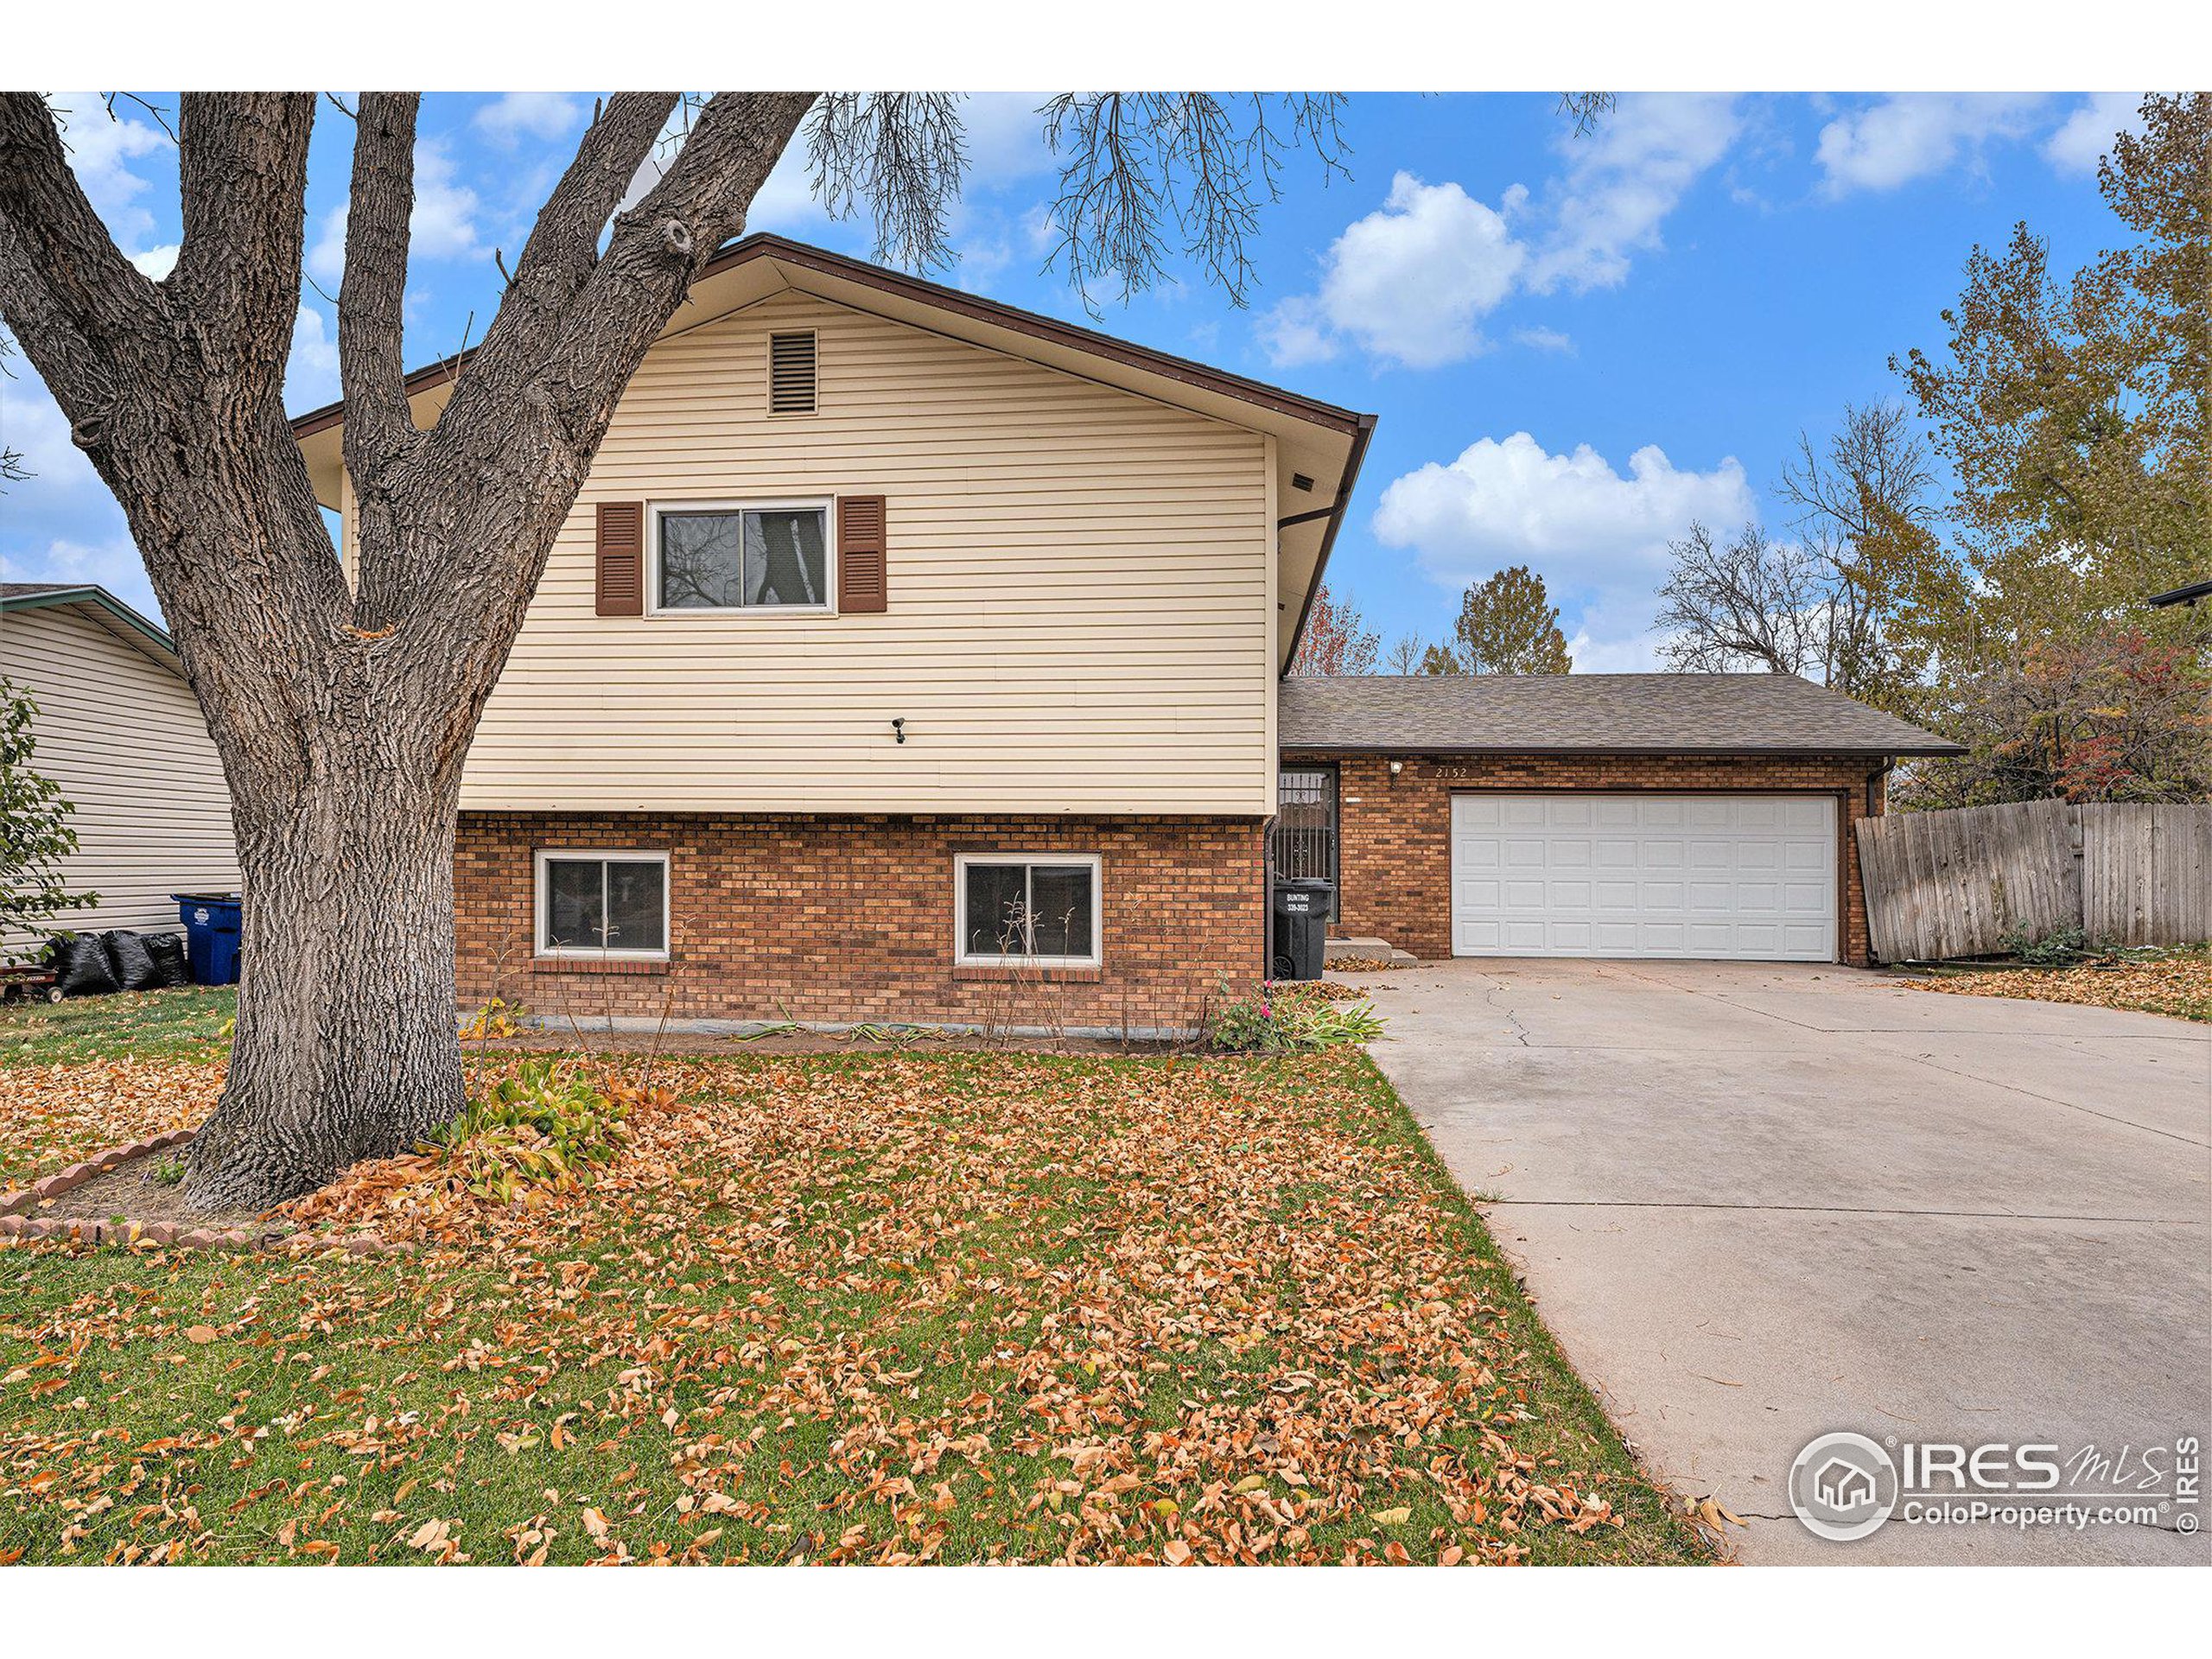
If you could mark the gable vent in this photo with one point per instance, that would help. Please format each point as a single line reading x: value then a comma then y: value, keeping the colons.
x: 791, y: 373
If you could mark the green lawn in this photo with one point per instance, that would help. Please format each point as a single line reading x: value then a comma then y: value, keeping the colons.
x: 860, y: 1307
x: 149, y: 1025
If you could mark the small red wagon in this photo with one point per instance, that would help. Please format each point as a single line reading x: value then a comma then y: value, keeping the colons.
x: 28, y: 980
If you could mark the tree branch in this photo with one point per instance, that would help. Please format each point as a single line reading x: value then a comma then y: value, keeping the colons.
x: 67, y: 282
x: 373, y: 296
x: 243, y: 158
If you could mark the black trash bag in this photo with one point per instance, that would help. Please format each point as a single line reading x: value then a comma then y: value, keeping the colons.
x: 134, y: 964
x: 172, y: 964
x: 81, y: 967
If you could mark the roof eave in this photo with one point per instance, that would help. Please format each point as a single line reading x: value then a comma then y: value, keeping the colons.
x: 1799, y: 751
x: 1353, y: 461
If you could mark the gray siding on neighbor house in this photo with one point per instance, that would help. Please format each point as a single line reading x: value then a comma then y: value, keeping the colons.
x: 122, y: 734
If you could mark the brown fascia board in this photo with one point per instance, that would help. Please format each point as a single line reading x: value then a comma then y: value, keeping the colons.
x: 1841, y: 752
x: 764, y: 245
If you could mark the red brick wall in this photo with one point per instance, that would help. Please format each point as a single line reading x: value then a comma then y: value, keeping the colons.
x: 1396, y: 857
x: 840, y: 919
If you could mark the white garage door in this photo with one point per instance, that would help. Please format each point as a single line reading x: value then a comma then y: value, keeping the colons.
x: 1749, y: 876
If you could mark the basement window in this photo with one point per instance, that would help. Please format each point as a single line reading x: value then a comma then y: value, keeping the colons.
x: 603, y: 905
x: 1015, y: 909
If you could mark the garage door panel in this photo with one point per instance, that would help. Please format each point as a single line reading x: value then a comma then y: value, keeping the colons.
x: 1746, y: 876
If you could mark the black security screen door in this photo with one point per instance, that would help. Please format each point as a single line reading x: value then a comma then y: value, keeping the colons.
x: 1303, y: 841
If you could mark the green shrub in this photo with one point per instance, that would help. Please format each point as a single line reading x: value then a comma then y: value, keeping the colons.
x: 1280, y: 1019
x: 2063, y: 944
x: 539, y: 1128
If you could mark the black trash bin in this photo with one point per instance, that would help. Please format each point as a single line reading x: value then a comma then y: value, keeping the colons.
x: 1300, y: 926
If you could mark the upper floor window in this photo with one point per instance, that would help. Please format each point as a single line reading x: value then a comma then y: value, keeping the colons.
x: 733, y: 556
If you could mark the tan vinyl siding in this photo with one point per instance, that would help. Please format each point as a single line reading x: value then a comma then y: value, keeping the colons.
x: 121, y: 735
x: 1079, y: 581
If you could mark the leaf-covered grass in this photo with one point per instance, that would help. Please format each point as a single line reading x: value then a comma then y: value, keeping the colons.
x: 2175, y: 982
x: 187, y: 1024
x: 853, y: 1308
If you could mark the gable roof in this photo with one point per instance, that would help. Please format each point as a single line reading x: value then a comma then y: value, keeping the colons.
x: 1319, y: 445
x: 104, y: 607
x: 1589, y: 714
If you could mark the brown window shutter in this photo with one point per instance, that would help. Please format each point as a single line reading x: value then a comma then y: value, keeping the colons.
x: 621, y: 561
x: 861, y: 586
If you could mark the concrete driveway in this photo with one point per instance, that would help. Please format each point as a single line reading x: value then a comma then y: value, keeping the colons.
x: 1756, y: 1203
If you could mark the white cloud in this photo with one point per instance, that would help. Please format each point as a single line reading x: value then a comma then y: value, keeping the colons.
x: 1543, y: 339
x: 1597, y: 537
x: 515, y: 115
x: 442, y: 225
x: 2085, y: 138
x: 1908, y: 135
x: 1571, y: 518
x: 101, y: 148
x: 1410, y: 283
x: 1623, y: 180
x: 157, y: 262
x: 311, y: 373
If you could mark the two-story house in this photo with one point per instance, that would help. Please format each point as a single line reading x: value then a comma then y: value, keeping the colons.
x: 900, y: 642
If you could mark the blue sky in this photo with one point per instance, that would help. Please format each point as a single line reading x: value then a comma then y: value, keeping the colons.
x: 1575, y: 344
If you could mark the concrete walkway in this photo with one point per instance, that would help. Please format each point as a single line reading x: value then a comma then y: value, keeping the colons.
x: 1756, y: 1203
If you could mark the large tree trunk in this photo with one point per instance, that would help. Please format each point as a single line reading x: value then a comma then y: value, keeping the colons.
x: 343, y: 712
x: 346, y: 1046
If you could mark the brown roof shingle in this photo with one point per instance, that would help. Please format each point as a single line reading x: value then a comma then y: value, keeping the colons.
x: 1589, y: 714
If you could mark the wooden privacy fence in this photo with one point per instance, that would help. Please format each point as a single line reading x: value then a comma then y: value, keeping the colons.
x: 1958, y: 883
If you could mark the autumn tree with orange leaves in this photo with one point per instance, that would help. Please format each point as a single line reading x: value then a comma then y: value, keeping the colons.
x: 1336, y: 640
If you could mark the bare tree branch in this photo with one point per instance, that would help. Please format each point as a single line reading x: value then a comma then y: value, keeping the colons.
x: 1138, y: 160
x: 161, y: 114
x: 900, y: 155
x: 67, y: 285
x: 1587, y: 110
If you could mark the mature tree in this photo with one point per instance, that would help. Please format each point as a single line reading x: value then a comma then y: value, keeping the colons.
x: 1440, y: 659
x: 1507, y: 625
x: 343, y: 716
x: 34, y: 832
x: 1842, y: 600
x: 2073, y: 413
x: 2113, y: 717
x: 1337, y: 639
x: 1404, y: 655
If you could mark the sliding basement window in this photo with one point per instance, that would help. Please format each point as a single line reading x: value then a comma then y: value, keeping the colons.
x: 1014, y: 910
x: 603, y: 905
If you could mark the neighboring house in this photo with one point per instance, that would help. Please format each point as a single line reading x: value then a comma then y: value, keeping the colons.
x: 120, y: 732
x: 902, y: 646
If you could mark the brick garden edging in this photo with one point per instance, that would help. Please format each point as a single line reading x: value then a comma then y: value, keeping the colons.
x: 18, y: 1220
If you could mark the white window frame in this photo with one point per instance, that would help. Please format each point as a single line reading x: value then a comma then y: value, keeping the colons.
x: 963, y: 957
x: 602, y: 855
x: 825, y: 505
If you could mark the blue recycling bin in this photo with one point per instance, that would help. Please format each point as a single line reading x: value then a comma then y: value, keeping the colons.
x: 211, y: 929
